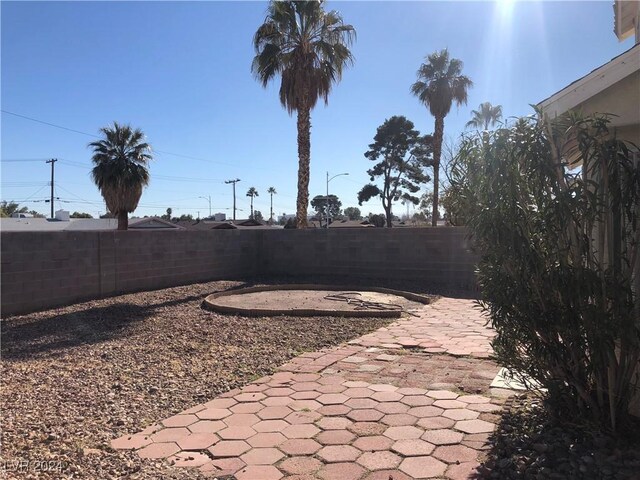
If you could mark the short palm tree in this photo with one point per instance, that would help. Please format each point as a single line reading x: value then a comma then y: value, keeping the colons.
x: 308, y: 47
x: 252, y: 192
x: 486, y: 116
x: 440, y: 83
x: 120, y: 169
x: 272, y: 192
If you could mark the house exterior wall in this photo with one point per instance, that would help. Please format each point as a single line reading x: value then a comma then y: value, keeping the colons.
x: 47, y: 269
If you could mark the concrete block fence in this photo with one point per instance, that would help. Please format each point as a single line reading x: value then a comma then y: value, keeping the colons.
x: 41, y: 270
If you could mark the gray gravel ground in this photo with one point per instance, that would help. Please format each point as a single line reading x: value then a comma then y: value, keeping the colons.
x: 76, y: 377
x: 531, y: 444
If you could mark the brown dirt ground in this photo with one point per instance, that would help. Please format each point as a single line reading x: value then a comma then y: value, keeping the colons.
x: 74, y: 378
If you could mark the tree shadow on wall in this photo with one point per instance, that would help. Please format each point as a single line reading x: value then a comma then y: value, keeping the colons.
x: 47, y: 332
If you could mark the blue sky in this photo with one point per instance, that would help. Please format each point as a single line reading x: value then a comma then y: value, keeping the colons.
x: 181, y: 72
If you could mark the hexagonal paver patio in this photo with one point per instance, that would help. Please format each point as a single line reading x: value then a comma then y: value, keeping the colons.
x: 410, y: 400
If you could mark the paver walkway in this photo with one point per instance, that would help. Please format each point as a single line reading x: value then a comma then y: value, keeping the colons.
x: 411, y: 400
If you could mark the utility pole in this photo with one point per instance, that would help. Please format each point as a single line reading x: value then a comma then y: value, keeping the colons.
x: 208, y: 198
x: 52, y: 162
x: 234, y: 195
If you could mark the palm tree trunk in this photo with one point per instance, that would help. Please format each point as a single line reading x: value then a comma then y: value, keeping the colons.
x: 123, y: 220
x: 252, y: 206
x: 438, y: 135
x: 271, y: 211
x: 304, y: 160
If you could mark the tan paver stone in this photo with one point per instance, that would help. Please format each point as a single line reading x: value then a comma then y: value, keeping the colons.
x: 188, y: 459
x: 379, y: 460
x: 180, y: 421
x: 249, y: 407
x: 331, y: 380
x: 220, y: 403
x: 262, y: 456
x: 358, y: 392
x: 332, y: 398
x: 373, y: 444
x: 274, y: 413
x: 159, y: 450
x: 361, y: 403
x: 305, y: 377
x: 333, y: 423
x: 305, y: 395
x: 236, y: 433
x: 417, y: 400
x: 427, y: 411
x: 276, y: 401
x: 442, y: 394
x: 423, y: 467
x: 261, y: 472
x: 253, y: 387
x: 130, y: 442
x: 170, y: 434
x: 456, y: 453
x: 403, y: 433
x: 473, y: 399
x: 436, y: 423
x: 213, y: 413
x: 335, y: 437
x: 339, y: 453
x: 460, y: 414
x: 392, y: 407
x: 449, y: 404
x: 331, y: 388
x: 270, y: 426
x: 463, y: 471
x: 303, y: 430
x: 278, y: 392
x: 213, y: 467
x: 207, y: 426
x: 341, y: 471
x: 386, y: 475
x: 383, y: 387
x: 474, y: 426
x: 386, y: 396
x: 413, y: 447
x: 442, y: 437
x: 367, y: 428
x: 368, y: 415
x: 241, y: 419
x: 300, y: 446
x: 355, y: 384
x: 333, y: 410
x: 229, y: 448
x: 250, y: 397
x: 300, y: 465
x: 398, y: 419
x: 197, y: 441
x: 271, y: 439
x: 302, y: 417
x: 412, y: 391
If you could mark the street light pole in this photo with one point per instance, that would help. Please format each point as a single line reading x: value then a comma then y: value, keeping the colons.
x: 208, y: 198
x: 328, y: 180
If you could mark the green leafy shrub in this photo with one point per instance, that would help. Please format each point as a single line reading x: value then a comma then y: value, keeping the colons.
x: 560, y: 258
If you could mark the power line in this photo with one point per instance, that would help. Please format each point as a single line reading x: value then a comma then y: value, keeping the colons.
x: 97, y: 136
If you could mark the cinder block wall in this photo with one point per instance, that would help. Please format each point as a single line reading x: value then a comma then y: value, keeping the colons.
x: 48, y: 269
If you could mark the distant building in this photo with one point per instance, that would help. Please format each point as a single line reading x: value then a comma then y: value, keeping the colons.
x: 219, y: 217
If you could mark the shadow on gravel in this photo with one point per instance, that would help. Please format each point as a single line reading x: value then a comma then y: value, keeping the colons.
x: 529, y: 442
x: 44, y: 333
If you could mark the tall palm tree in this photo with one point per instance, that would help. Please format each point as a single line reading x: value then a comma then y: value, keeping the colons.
x: 272, y: 192
x: 308, y: 47
x: 252, y: 192
x: 486, y: 116
x: 120, y: 170
x: 440, y: 83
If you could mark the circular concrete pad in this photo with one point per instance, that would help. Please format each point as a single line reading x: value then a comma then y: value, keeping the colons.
x: 315, y: 300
